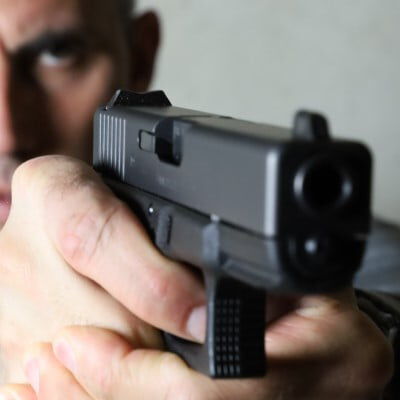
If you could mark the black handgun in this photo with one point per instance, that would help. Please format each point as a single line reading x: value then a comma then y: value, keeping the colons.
x: 256, y: 207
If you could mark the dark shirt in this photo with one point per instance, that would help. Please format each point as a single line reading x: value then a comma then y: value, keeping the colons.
x: 381, y: 266
x: 380, y: 272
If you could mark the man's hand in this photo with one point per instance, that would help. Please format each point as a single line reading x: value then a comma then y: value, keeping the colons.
x: 325, y: 349
x: 63, y: 216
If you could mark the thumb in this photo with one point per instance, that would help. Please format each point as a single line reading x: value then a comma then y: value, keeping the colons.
x: 109, y: 367
x: 306, y: 330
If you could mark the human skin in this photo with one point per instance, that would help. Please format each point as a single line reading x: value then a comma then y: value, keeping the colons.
x: 305, y: 363
x: 72, y: 254
x: 58, y: 62
x: 319, y: 347
x: 61, y: 90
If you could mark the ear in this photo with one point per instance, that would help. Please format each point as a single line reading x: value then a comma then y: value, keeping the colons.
x: 144, y: 46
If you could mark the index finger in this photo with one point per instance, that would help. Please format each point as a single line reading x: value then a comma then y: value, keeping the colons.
x: 102, y: 239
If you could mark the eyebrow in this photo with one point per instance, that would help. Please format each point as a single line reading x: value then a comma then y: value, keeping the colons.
x: 51, y: 40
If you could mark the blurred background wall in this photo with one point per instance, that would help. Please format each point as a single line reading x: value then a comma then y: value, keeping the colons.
x: 264, y: 59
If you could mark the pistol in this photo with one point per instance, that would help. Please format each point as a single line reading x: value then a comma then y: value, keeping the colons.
x: 257, y: 208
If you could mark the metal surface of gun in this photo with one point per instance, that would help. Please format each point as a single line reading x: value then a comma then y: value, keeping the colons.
x: 256, y: 207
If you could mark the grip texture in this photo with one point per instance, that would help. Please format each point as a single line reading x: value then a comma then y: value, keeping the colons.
x: 234, y: 346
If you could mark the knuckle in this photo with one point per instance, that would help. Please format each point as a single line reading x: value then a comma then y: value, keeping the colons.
x: 45, y: 175
x: 372, y: 357
x: 379, y: 363
x: 163, y: 286
x: 89, y: 231
x: 184, y: 384
x: 179, y: 384
x: 176, y: 379
x: 159, y: 284
x: 171, y: 363
x: 26, y: 175
x: 357, y: 351
x: 108, y: 380
x: 34, y: 168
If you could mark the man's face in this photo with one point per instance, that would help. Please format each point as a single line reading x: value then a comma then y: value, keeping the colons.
x: 59, y: 60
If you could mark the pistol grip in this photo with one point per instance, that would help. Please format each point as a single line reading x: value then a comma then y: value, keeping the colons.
x: 234, y: 345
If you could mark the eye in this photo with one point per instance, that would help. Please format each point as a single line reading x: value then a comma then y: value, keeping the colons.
x: 49, y: 59
x: 61, y: 53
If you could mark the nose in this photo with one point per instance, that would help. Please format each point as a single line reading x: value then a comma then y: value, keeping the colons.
x: 7, y: 135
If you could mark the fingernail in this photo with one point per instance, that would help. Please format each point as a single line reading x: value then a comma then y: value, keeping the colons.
x: 6, y: 395
x: 311, y: 312
x: 32, y: 373
x: 64, y: 354
x: 196, y: 325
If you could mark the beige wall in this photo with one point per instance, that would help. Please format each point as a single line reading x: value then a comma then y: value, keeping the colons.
x: 263, y: 59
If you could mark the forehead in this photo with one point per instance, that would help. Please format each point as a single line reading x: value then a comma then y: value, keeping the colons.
x: 23, y: 20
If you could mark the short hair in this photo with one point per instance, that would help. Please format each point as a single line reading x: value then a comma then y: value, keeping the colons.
x: 126, y: 7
